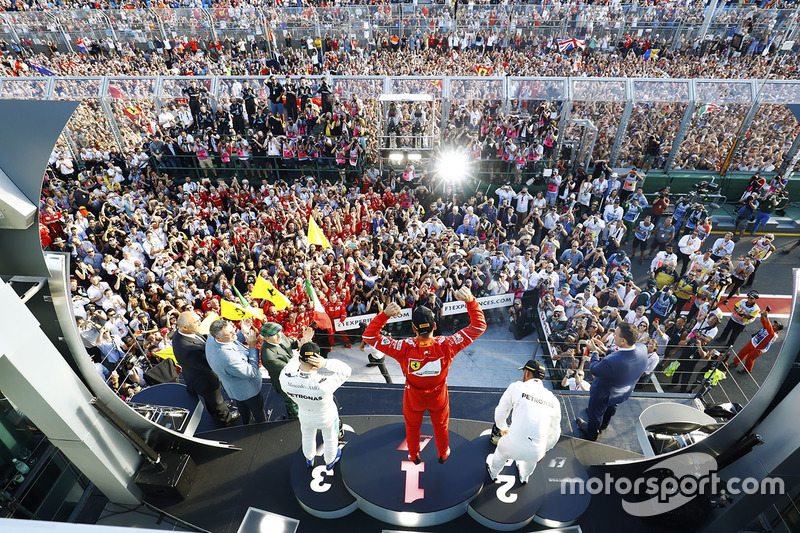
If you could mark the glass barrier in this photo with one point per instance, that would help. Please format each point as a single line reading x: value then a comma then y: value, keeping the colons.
x: 773, y: 129
x: 23, y: 88
x: 89, y: 127
x: 138, y: 25
x: 467, y: 89
x: 37, y: 27
x: 658, y: 107
x: 195, y: 23
x: 526, y: 111
x: 527, y: 94
x: 602, y: 103
x: 721, y: 107
x: 666, y: 23
x: 132, y: 102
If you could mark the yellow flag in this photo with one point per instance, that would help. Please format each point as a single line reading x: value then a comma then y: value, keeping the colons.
x: 237, y: 312
x: 202, y: 329
x: 167, y: 353
x: 265, y: 290
x: 315, y: 235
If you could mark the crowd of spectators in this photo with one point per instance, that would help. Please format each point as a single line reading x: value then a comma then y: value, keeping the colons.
x: 589, y: 286
x: 208, y: 194
x: 499, y: 40
x: 147, y: 246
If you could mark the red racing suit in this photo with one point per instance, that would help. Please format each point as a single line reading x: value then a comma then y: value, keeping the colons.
x: 425, y: 364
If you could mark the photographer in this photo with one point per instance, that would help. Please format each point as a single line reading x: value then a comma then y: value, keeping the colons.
x: 521, y: 321
x: 694, y: 352
x: 574, y: 379
x: 766, y: 208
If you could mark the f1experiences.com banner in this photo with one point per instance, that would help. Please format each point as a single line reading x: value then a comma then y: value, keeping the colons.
x: 448, y: 308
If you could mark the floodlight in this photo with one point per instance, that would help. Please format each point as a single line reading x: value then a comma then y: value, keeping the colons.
x: 452, y: 166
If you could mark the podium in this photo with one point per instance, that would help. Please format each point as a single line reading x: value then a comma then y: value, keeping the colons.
x: 389, y: 487
x: 507, y: 505
x: 375, y: 475
x: 318, y: 490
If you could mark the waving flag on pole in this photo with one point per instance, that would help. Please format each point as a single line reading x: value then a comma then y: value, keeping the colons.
x: 569, y: 44
x: 204, y: 326
x: 81, y: 44
x: 264, y: 290
x: 481, y: 70
x: 41, y: 69
x: 315, y: 235
x: 320, y: 316
x: 235, y: 312
x: 708, y: 108
x: 166, y: 353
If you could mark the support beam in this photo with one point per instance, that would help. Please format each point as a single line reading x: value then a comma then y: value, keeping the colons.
x: 686, y: 122
x: 63, y: 413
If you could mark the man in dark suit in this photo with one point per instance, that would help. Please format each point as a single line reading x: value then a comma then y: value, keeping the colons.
x: 190, y: 352
x: 614, y: 378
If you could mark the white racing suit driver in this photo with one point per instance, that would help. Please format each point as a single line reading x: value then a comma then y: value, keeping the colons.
x: 536, y: 423
x: 313, y: 392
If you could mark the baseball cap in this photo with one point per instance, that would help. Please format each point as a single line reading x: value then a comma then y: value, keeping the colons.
x: 308, y: 350
x: 422, y: 318
x: 753, y: 294
x: 537, y: 367
x: 270, y: 328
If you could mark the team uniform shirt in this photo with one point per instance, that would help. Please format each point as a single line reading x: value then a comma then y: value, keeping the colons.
x: 643, y: 231
x: 761, y: 249
x: 705, y: 294
x: 700, y: 266
x: 425, y: 364
x: 743, y: 313
x: 661, y: 259
x: 764, y: 337
x: 685, y: 289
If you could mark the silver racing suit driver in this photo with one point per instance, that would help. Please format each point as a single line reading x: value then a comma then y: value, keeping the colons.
x: 313, y: 390
x: 536, y: 423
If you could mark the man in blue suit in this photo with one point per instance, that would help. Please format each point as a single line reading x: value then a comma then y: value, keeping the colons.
x: 614, y: 378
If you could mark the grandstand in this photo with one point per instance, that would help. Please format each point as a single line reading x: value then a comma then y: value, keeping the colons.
x: 517, y: 149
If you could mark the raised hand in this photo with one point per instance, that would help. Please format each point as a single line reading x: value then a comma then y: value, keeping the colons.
x: 393, y: 309
x: 464, y: 294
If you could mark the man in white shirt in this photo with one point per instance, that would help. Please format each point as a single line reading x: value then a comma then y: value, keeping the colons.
x: 723, y: 247
x: 701, y: 264
x: 612, y: 212
x: 688, y: 245
x: 536, y: 425
x: 523, y: 204
x: 505, y: 194
x: 663, y: 257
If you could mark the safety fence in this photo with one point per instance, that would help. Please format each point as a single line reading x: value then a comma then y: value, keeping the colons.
x: 707, y: 125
